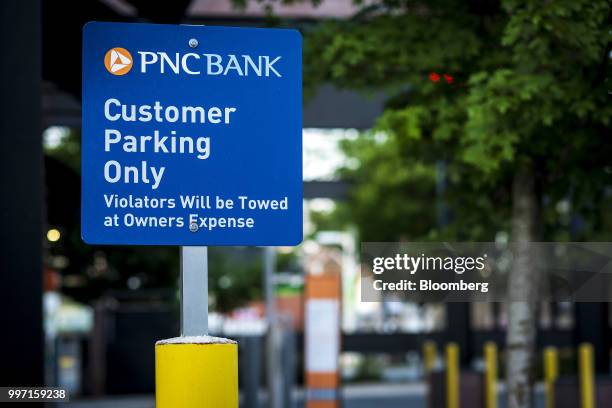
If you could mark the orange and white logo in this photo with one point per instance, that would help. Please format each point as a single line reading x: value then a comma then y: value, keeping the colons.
x: 118, y: 61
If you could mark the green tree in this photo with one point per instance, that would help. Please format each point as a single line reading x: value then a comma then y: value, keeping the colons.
x: 511, y: 96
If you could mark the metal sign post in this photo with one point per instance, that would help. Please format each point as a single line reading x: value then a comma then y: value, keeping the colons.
x: 194, y: 290
x: 274, y: 338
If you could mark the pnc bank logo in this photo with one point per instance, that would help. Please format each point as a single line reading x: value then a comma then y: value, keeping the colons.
x: 118, y: 61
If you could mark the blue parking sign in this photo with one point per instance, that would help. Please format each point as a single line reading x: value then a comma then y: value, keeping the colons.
x: 192, y: 135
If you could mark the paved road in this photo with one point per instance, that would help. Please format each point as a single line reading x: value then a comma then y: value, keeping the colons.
x: 354, y: 396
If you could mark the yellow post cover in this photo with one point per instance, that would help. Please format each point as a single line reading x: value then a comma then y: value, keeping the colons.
x: 196, y: 371
x: 452, y: 375
x: 587, y: 375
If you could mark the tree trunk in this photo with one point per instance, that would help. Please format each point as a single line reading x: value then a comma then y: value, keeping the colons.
x: 522, y: 291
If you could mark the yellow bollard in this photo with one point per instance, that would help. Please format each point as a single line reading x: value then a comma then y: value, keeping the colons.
x: 551, y: 373
x: 430, y: 355
x: 587, y: 377
x: 452, y: 375
x: 200, y: 371
x: 490, y: 355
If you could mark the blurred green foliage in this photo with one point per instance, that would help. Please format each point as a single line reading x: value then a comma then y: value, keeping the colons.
x: 233, y: 280
x: 482, y: 88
